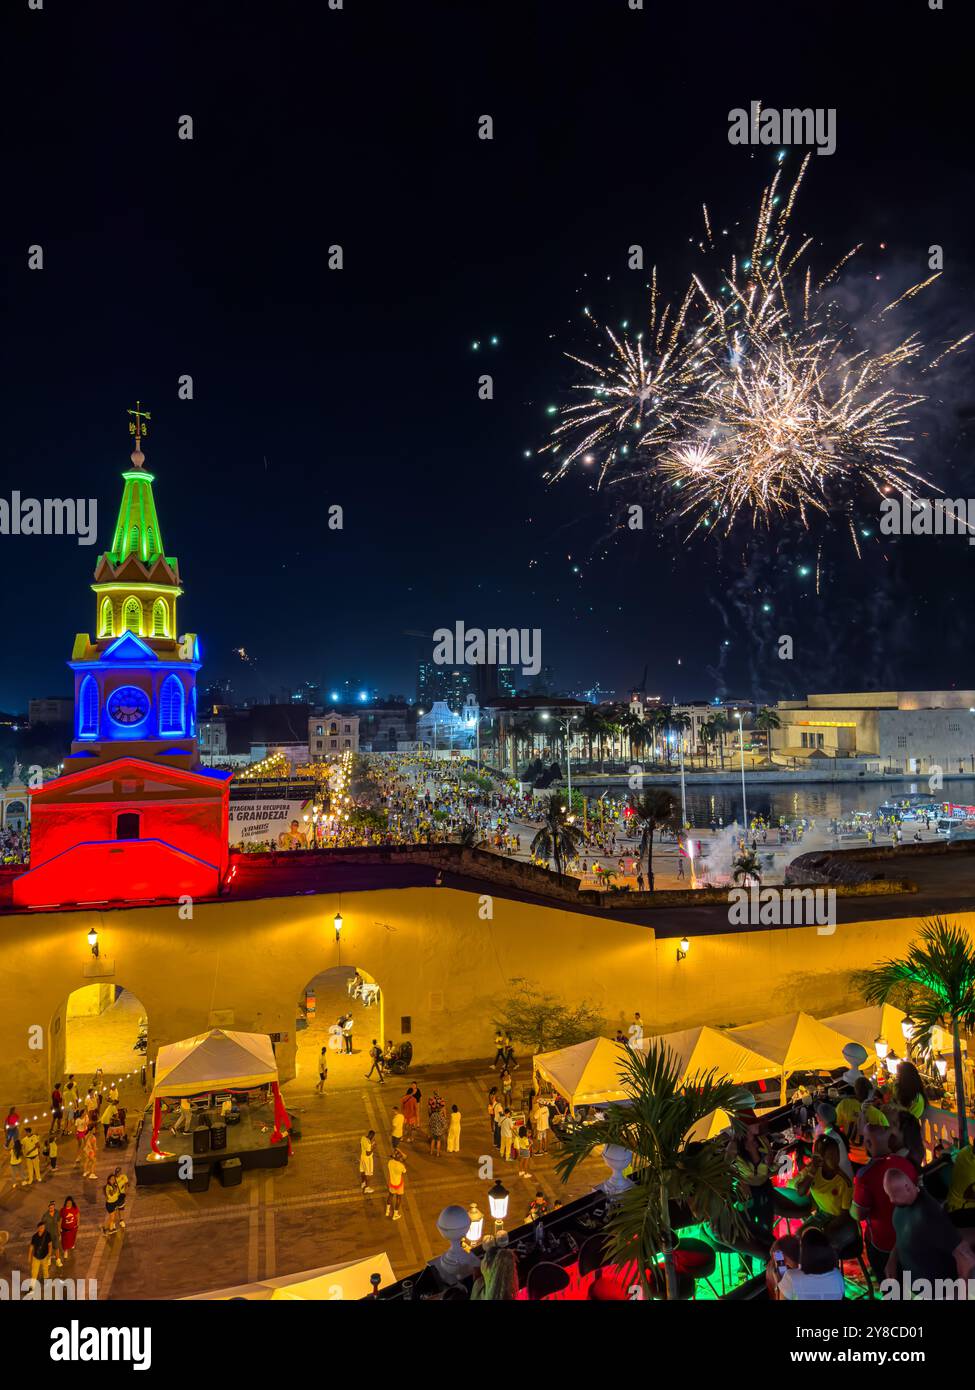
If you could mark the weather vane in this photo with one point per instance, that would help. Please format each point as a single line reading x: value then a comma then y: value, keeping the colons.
x: 138, y: 426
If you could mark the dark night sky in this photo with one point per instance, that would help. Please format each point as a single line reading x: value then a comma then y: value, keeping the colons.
x: 358, y: 387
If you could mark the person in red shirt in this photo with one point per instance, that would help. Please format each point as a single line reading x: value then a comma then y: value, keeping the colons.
x: 11, y: 1127
x: 871, y: 1202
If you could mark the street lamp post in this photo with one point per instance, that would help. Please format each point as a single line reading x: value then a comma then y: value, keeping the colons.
x: 741, y: 750
x: 564, y: 724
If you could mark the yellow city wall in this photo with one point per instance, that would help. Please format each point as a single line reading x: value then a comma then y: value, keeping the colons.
x: 433, y: 955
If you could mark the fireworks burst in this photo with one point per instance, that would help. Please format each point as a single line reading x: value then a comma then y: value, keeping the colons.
x: 755, y: 398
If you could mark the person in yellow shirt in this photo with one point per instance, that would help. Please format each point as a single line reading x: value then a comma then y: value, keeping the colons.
x: 961, y: 1193
x: 32, y: 1156
x: 824, y: 1180
x: 396, y: 1184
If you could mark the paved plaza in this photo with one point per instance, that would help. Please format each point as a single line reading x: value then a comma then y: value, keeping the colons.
x: 309, y: 1214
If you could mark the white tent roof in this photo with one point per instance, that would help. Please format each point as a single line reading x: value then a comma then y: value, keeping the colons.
x: 587, y: 1073
x: 795, y: 1042
x: 341, y: 1283
x: 701, y: 1049
x: 214, y: 1061
x: 865, y: 1026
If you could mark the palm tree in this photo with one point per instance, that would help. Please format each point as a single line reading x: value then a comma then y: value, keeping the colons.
x: 746, y: 866
x: 766, y: 719
x: 559, y: 837
x: 939, y: 971
x: 652, y: 810
x: 708, y: 735
x: 668, y: 1166
x: 681, y: 722
x: 657, y: 722
x: 590, y: 725
x: 720, y: 724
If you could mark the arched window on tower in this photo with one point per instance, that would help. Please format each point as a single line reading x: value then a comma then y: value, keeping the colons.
x: 160, y: 619
x: 132, y: 615
x: 134, y: 539
x: 171, y: 706
x: 108, y: 619
x: 192, y: 729
x: 88, y: 708
x: 150, y: 543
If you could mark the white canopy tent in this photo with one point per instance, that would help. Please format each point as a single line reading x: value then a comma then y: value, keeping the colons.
x: 339, y: 1283
x: 795, y: 1042
x: 215, y: 1061
x: 587, y: 1073
x: 705, y: 1049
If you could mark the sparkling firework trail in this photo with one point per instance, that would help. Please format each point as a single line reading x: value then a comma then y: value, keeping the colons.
x: 756, y: 401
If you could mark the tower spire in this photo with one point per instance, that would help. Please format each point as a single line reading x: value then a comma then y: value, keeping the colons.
x: 138, y: 428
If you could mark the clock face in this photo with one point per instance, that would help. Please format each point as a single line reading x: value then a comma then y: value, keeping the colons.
x: 128, y: 705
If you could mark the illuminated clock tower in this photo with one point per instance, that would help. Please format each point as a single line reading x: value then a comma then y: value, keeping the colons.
x: 135, y: 683
x: 133, y: 818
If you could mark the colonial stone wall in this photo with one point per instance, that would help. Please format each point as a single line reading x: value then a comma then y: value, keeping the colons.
x: 436, y: 958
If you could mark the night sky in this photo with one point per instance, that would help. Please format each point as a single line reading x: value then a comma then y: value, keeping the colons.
x: 359, y: 387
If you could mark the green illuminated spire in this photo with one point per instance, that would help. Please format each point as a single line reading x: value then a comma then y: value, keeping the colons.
x: 137, y: 528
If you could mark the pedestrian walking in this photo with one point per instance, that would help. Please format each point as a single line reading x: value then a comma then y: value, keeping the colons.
x: 51, y: 1153
x: 347, y: 1033
x: 411, y: 1112
x: 31, y: 1145
x: 524, y: 1152
x: 396, y: 1127
x: 111, y: 1204
x: 395, y: 1183
x: 453, y: 1131
x: 122, y: 1183
x: 506, y: 1084
x: 11, y: 1127
x: 39, y: 1252
x: 184, y: 1122
x: 52, y: 1224
x: 89, y: 1154
x: 366, y: 1150
x: 70, y: 1096
x: 376, y: 1053
x: 437, y: 1123
x: 540, y: 1124
x: 507, y: 1135
x: 499, y: 1044
x: 80, y: 1130
x: 16, y: 1152
x: 57, y: 1109
x: 70, y: 1216
x: 322, y: 1070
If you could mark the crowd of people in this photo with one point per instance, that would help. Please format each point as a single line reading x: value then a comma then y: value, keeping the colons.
x: 863, y: 1182
x: 78, y: 1114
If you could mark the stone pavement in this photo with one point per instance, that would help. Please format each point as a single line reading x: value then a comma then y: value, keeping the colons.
x: 309, y: 1214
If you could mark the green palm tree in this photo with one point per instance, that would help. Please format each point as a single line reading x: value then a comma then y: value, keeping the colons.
x: 708, y: 735
x: 939, y: 972
x: 720, y: 724
x: 668, y: 1166
x: 590, y: 725
x: 746, y: 866
x: 559, y: 838
x: 653, y: 809
x: 767, y: 720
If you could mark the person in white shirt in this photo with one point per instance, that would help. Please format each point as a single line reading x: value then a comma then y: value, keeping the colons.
x: 818, y: 1278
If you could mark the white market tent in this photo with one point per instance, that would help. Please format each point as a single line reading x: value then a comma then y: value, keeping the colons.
x: 341, y: 1283
x: 795, y: 1042
x: 587, y: 1073
x: 215, y: 1061
x: 705, y: 1049
x: 865, y: 1026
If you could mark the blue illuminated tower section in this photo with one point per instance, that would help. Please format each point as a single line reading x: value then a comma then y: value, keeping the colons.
x: 135, y: 682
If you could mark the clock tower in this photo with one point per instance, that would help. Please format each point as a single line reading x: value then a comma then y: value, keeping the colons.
x: 133, y: 818
x: 135, y: 681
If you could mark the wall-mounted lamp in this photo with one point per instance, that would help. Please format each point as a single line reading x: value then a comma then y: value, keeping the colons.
x: 93, y: 942
x: 682, y: 949
x: 338, y: 926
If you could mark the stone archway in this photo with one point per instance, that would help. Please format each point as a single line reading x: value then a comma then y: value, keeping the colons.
x: 96, y: 1029
x: 325, y: 998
